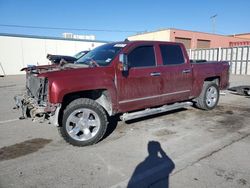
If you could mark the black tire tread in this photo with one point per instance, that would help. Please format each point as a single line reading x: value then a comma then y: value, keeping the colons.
x: 200, y: 101
x: 78, y: 103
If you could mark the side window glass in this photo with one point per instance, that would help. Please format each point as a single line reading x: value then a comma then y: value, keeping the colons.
x: 142, y: 56
x: 171, y: 54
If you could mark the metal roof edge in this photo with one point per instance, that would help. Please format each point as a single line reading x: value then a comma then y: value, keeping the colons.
x: 203, y: 32
x: 171, y: 29
x: 53, y: 38
x: 239, y: 34
x: 147, y: 32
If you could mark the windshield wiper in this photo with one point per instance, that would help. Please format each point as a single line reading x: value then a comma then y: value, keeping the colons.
x: 91, y: 62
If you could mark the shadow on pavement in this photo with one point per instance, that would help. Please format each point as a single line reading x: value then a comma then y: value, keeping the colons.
x: 113, y: 121
x: 154, y: 170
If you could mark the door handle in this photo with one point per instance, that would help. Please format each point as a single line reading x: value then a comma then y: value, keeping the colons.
x: 155, y: 74
x: 186, y: 71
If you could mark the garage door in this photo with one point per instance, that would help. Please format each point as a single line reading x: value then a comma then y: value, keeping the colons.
x: 185, y: 41
x: 203, y: 43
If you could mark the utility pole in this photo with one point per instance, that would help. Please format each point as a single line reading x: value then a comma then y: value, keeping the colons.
x: 213, y: 19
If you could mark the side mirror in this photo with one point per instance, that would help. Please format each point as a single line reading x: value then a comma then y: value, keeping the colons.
x: 123, y: 58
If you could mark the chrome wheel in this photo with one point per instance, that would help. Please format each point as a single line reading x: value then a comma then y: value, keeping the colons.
x: 211, y: 96
x: 83, y: 124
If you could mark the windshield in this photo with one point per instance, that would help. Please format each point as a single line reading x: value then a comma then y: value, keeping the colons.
x: 102, y: 55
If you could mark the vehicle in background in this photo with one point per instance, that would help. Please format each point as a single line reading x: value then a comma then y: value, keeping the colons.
x: 241, y: 90
x: 56, y: 59
x: 131, y: 79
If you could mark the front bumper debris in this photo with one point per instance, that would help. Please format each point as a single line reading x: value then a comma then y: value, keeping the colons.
x: 30, y: 109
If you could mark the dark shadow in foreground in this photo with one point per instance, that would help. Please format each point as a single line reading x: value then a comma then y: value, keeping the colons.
x: 154, y: 170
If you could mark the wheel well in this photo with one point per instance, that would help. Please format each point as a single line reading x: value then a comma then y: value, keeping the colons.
x: 101, y: 96
x: 216, y: 80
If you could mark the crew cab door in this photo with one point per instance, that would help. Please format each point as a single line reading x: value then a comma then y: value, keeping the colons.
x: 176, y: 73
x: 141, y: 84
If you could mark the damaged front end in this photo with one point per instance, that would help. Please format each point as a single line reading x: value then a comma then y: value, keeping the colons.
x: 34, y: 101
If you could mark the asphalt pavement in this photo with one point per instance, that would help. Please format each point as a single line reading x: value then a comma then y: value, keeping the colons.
x: 183, y: 148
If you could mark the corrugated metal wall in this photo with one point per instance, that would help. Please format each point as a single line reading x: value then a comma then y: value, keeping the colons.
x: 238, y: 57
x: 17, y: 52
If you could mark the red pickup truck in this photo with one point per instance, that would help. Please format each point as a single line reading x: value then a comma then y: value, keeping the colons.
x: 131, y: 78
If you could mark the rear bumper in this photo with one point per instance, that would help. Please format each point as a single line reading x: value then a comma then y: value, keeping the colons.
x: 30, y: 109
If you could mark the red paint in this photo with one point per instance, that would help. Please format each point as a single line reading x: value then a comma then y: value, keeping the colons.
x: 138, y: 84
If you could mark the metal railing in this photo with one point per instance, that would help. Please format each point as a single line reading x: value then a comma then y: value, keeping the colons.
x: 238, y: 57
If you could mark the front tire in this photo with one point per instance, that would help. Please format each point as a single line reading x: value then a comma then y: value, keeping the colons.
x: 209, y: 96
x: 84, y: 122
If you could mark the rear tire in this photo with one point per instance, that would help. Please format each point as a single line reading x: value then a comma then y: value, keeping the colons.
x: 84, y: 122
x: 209, y: 96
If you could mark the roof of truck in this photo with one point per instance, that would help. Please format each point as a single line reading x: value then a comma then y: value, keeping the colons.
x: 143, y: 41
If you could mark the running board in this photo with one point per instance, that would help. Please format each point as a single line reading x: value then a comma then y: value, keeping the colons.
x: 151, y: 111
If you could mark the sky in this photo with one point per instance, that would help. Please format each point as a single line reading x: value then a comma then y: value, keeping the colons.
x: 113, y: 20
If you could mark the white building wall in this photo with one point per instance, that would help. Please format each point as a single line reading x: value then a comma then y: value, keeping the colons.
x: 17, y: 52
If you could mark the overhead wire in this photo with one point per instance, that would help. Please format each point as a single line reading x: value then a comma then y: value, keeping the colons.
x: 72, y: 29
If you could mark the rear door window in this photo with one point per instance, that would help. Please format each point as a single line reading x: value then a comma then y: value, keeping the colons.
x: 171, y: 54
x: 142, y: 56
